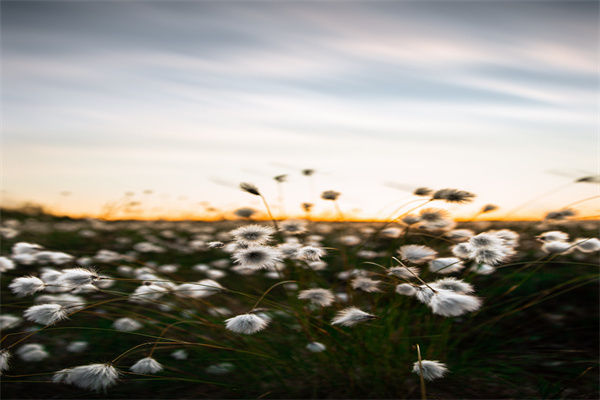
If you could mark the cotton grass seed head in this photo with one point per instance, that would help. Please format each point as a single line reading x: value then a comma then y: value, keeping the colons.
x: 553, y: 236
x: 250, y: 188
x: 46, y: 314
x: 8, y: 321
x: 422, y: 191
x: 454, y: 285
x: 559, y: 215
x: 587, y: 245
x: 446, y: 265
x: 491, y: 255
x: 246, y: 323
x: 411, y: 219
x: 450, y: 304
x: 454, y: 196
x: 220, y: 369
x: 510, y: 238
x: 462, y: 250
x: 77, y: 346
x: 26, y: 285
x: 488, y: 208
x: 431, y: 369
x: 416, y: 253
x: 77, y: 277
x: 127, y: 324
x: 292, y: 227
x: 485, y: 240
x: 258, y: 257
x: 70, y: 301
x: 280, y: 178
x: 558, y: 247
x: 330, y: 195
x: 320, y: 297
x: 92, y: 377
x: 6, y: 264
x: 404, y: 272
x: 309, y: 253
x: 424, y: 294
x: 32, y: 352
x: 4, y: 359
x: 460, y: 235
x: 245, y: 212
x: 146, y: 365
x: 366, y: 284
x: 482, y: 269
x: 351, y: 316
x: 252, y: 234
x: 430, y: 215
x: 147, y: 293
x: 406, y: 289
x: 316, y: 347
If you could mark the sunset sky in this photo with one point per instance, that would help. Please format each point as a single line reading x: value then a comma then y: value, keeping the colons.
x: 188, y: 99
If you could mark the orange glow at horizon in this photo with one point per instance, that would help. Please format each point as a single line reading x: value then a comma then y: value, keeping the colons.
x: 260, y: 216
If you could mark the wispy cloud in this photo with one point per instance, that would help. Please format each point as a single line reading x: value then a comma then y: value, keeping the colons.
x: 221, y: 85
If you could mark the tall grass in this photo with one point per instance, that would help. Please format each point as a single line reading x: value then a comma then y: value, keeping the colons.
x: 510, y: 338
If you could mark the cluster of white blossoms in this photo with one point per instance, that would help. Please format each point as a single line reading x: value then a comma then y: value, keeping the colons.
x: 253, y: 252
x: 30, y: 253
x: 66, y: 280
x: 448, y: 297
x: 556, y: 242
x: 319, y: 297
x: 486, y: 249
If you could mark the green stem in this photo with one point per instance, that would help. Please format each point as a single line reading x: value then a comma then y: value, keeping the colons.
x: 268, y: 290
x: 422, y: 380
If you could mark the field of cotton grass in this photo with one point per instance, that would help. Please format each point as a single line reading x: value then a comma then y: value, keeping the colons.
x: 419, y: 306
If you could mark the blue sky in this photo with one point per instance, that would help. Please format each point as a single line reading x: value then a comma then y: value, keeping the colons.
x: 191, y: 98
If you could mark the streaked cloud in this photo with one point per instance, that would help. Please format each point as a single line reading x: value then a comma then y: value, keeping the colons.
x: 357, y: 89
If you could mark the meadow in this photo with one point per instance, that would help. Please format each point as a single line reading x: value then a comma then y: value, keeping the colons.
x: 419, y: 306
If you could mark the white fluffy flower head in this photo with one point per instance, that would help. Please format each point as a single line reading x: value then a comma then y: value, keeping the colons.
x: 127, y: 324
x: 451, y: 304
x: 93, y: 376
x: 252, y: 234
x: 404, y: 272
x: 366, y: 284
x: 26, y: 285
x: 246, y: 323
x: 553, y: 236
x: 431, y: 369
x: 416, y: 253
x: 146, y: 365
x: 320, y: 297
x: 310, y: 253
x: 446, y: 265
x: 4, y: 358
x: 46, y: 314
x: 77, y: 277
x: 406, y: 289
x: 453, y: 284
x: 316, y: 347
x: 351, y: 316
x: 587, y: 245
x: 258, y: 257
